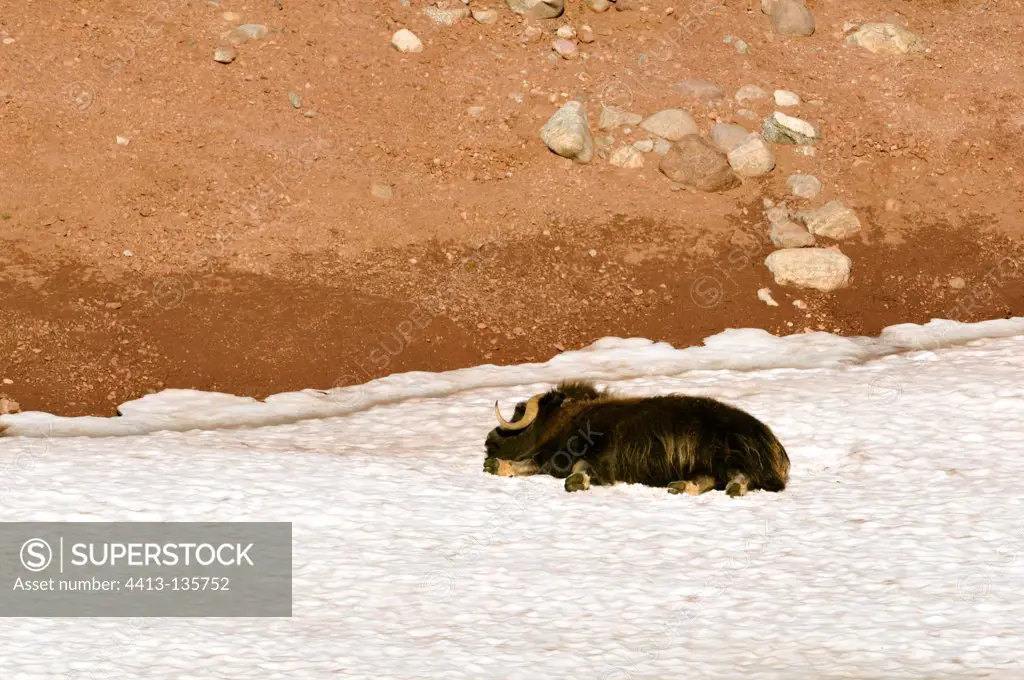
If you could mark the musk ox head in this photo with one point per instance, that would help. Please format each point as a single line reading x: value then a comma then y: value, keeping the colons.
x: 517, y: 439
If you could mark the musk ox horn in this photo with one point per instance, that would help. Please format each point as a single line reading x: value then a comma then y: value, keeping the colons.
x: 532, y: 409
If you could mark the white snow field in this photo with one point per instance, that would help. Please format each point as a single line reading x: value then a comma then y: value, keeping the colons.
x: 894, y: 553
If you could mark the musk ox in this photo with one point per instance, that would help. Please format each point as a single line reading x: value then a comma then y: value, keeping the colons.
x: 589, y: 436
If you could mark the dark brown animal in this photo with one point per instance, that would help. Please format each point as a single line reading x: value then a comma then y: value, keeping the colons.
x: 589, y: 436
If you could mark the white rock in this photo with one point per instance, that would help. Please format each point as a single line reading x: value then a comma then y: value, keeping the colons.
x: 751, y: 93
x: 224, y: 55
x: 784, y: 232
x: 885, y: 39
x: 406, y: 41
x: 538, y: 9
x: 752, y: 158
x: 804, y: 186
x: 644, y: 145
x: 446, y: 17
x: 611, y: 118
x: 783, y: 129
x: 832, y: 220
x: 788, y: 234
x: 792, y: 17
x: 671, y: 124
x: 727, y: 136
x: 598, y: 5
x: 567, y: 32
x: 822, y: 269
x: 567, y: 133
x: 627, y: 157
x: 485, y: 16
x: 765, y: 295
x: 786, y: 98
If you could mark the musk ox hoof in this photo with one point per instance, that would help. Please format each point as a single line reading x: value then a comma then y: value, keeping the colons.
x: 736, y: 488
x: 497, y: 466
x: 510, y: 468
x: 738, y: 485
x: 577, y: 481
x: 692, y: 487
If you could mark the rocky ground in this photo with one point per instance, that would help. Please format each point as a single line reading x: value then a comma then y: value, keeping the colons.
x: 266, y: 196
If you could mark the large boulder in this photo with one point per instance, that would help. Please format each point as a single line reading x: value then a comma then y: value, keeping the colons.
x: 822, y: 269
x: 696, y: 163
x: 567, y: 133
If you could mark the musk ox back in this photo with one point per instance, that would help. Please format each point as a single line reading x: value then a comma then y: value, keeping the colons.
x: 589, y: 436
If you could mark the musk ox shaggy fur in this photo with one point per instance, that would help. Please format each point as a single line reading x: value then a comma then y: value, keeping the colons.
x: 592, y: 437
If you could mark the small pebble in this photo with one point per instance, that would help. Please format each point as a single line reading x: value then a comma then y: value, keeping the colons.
x: 804, y: 186
x: 530, y: 34
x: 786, y: 98
x: 295, y: 100
x: 406, y: 41
x: 485, y: 16
x: 382, y: 191
x: 750, y: 93
x: 957, y: 283
x: 224, y: 55
x: 765, y: 295
x: 247, y: 32
x: 565, y: 48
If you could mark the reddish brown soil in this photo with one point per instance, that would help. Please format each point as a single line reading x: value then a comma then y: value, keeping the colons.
x: 261, y: 261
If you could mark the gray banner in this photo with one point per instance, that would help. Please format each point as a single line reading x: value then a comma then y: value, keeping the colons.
x: 106, y: 569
